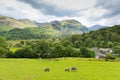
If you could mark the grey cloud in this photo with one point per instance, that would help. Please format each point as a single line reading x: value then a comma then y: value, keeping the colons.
x: 9, y: 8
x: 49, y: 9
x: 113, y: 7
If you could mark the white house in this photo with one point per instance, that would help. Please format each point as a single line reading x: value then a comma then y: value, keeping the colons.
x: 101, y: 52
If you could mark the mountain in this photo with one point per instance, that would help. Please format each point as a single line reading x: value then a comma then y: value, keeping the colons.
x: 69, y: 26
x: 96, y: 27
x: 25, y: 29
x: 8, y: 23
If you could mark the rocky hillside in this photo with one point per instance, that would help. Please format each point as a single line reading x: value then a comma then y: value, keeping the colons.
x: 8, y: 23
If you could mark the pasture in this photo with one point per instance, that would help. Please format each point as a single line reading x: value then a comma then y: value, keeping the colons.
x: 33, y: 69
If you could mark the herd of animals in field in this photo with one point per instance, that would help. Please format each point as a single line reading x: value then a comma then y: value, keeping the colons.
x: 66, y: 69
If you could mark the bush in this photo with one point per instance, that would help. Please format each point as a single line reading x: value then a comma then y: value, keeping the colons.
x: 116, y: 50
x: 3, y: 48
x: 3, y: 52
x: 87, y: 53
x: 10, y: 54
x: 110, y: 56
x: 25, y: 52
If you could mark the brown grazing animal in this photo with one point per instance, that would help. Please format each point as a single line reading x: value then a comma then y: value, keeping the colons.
x: 73, y: 69
x: 67, y: 69
x: 46, y: 69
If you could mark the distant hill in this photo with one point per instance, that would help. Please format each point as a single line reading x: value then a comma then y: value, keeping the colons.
x: 107, y: 34
x: 65, y: 27
x: 69, y: 26
x: 8, y: 23
x: 96, y: 27
x: 26, y: 29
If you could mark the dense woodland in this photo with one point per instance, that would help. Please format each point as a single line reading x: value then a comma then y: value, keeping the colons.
x: 72, y: 46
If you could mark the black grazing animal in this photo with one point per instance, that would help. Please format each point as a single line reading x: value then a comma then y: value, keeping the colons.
x: 67, y: 69
x: 46, y: 69
x: 73, y: 69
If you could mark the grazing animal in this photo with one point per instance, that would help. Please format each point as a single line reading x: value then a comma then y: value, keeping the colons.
x: 67, y: 69
x: 46, y: 69
x: 25, y: 59
x: 73, y: 69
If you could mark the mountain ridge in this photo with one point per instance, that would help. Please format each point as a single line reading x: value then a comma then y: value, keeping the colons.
x: 49, y: 29
x: 97, y: 27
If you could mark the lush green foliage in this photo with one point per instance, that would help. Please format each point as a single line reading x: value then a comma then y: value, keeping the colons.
x: 110, y: 56
x: 105, y: 38
x: 26, y: 52
x: 3, y: 47
x: 46, y: 49
x: 116, y: 50
x: 87, y: 53
x: 73, y: 46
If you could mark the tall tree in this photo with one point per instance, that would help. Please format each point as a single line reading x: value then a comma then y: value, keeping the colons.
x: 3, y: 47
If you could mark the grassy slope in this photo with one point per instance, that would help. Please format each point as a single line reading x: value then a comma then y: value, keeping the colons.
x: 5, y: 27
x: 32, y: 69
x: 18, y: 24
x: 7, y: 23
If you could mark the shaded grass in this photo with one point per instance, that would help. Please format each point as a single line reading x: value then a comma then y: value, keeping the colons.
x: 33, y: 69
x: 14, y: 49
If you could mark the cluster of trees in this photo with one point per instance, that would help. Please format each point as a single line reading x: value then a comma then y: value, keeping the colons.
x: 3, y: 48
x: 48, y: 49
x: 116, y: 50
x: 56, y: 48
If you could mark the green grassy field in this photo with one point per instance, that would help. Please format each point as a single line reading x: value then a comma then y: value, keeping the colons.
x: 33, y: 69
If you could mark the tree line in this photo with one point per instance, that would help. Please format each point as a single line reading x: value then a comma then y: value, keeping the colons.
x: 49, y: 49
x: 72, y: 46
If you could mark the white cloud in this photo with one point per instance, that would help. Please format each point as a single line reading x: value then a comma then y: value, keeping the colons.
x: 88, y: 14
x: 23, y: 10
x: 72, y: 4
x: 20, y: 10
x: 94, y: 13
x: 109, y: 21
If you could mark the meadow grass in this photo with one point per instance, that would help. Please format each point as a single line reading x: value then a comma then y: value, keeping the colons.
x: 33, y: 69
x: 14, y: 49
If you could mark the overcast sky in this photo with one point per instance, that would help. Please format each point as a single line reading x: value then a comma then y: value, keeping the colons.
x: 88, y: 12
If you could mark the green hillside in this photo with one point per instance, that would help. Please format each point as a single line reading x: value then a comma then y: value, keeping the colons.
x: 8, y: 23
x: 107, y: 34
x: 107, y: 37
x: 31, y: 33
x: 69, y: 26
x: 5, y: 27
x: 14, y: 29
